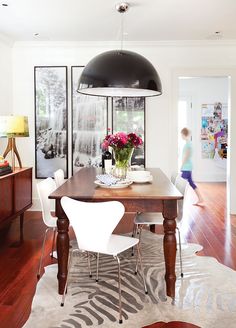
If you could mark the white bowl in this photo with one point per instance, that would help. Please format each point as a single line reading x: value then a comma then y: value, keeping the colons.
x: 139, y: 175
x: 145, y: 180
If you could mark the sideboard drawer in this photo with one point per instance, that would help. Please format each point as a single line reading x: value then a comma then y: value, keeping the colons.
x: 22, y: 190
x: 6, y: 198
x: 15, y: 198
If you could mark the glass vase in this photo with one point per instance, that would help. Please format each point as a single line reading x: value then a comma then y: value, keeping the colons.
x: 123, y: 161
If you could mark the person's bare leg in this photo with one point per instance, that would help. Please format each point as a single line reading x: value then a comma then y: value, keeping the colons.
x: 200, y: 201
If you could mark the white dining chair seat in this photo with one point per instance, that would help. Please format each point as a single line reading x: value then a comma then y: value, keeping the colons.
x: 59, y: 177
x: 116, y: 245
x: 52, y: 222
x: 45, y: 188
x: 157, y: 218
x: 148, y: 218
x: 173, y: 177
x: 93, y: 224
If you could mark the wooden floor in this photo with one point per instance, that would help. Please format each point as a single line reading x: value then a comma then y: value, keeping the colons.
x: 208, y: 226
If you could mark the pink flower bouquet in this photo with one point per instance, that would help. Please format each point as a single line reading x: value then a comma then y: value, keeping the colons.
x: 121, y: 140
x: 123, y: 146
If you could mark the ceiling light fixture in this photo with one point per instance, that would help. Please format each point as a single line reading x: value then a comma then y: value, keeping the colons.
x: 120, y: 73
x: 217, y: 35
x: 36, y: 34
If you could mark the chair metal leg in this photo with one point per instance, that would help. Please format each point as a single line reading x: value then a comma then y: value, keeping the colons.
x: 119, y: 287
x: 97, y: 267
x: 139, y: 257
x: 53, y: 240
x: 135, y: 228
x: 133, y: 232
x: 70, y: 257
x: 89, y: 265
x: 42, y: 252
x: 180, y: 253
x: 140, y: 232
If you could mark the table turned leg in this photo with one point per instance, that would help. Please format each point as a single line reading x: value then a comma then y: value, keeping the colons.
x: 169, y: 244
x: 62, y: 252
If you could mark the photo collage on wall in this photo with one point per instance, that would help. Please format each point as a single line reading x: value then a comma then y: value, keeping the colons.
x: 92, y: 118
x: 214, y: 130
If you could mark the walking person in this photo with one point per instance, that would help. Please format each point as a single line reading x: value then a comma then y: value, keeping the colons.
x: 187, y: 165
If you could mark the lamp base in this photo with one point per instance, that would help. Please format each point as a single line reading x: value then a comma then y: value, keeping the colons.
x: 11, y: 147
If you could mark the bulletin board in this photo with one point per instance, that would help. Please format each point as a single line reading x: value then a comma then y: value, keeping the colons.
x: 214, y: 130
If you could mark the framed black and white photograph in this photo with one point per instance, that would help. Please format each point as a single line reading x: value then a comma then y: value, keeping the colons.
x: 128, y: 115
x: 51, y: 120
x: 89, y: 125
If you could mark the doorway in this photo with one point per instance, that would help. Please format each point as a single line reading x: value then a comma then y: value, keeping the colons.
x: 203, y: 107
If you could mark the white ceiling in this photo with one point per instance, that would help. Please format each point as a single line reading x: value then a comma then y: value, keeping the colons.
x: 97, y: 20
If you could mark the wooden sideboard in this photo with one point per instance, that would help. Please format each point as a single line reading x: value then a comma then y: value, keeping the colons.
x: 15, y: 198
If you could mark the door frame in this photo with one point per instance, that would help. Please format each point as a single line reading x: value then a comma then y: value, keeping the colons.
x: 209, y: 72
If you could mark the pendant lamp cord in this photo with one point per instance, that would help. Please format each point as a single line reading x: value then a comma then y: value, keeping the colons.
x: 122, y: 30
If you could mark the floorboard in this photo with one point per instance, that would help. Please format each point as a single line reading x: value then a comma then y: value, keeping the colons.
x: 208, y: 226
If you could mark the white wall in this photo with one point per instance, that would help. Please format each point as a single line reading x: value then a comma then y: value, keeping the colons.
x: 5, y: 84
x: 198, y: 91
x: 161, y: 111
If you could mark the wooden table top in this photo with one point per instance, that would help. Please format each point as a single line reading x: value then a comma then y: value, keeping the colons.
x: 81, y: 186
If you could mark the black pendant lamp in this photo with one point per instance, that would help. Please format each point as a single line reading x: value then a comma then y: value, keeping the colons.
x: 120, y: 73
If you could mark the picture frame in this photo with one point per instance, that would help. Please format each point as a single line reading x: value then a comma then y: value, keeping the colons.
x: 89, y: 125
x: 51, y: 120
x: 129, y: 115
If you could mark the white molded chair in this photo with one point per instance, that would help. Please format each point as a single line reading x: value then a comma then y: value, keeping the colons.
x: 59, y: 177
x: 173, y: 177
x: 142, y: 219
x: 45, y: 188
x: 93, y: 224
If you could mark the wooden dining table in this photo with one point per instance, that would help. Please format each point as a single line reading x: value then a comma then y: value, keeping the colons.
x: 158, y: 196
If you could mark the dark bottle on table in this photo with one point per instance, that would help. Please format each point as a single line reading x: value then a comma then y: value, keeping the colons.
x: 107, y: 161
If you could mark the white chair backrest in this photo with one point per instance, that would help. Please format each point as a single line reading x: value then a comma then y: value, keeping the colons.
x: 45, y: 188
x: 93, y: 223
x: 173, y: 177
x: 181, y: 184
x: 59, y: 177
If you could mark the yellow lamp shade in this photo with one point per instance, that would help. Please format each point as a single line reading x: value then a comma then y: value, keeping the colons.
x: 17, y: 126
x: 12, y: 127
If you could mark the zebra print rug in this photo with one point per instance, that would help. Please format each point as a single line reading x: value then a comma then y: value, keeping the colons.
x: 206, y: 296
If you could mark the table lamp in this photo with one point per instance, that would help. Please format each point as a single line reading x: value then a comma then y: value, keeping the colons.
x: 12, y: 127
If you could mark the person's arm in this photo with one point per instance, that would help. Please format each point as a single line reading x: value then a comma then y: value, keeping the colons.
x: 186, y: 157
